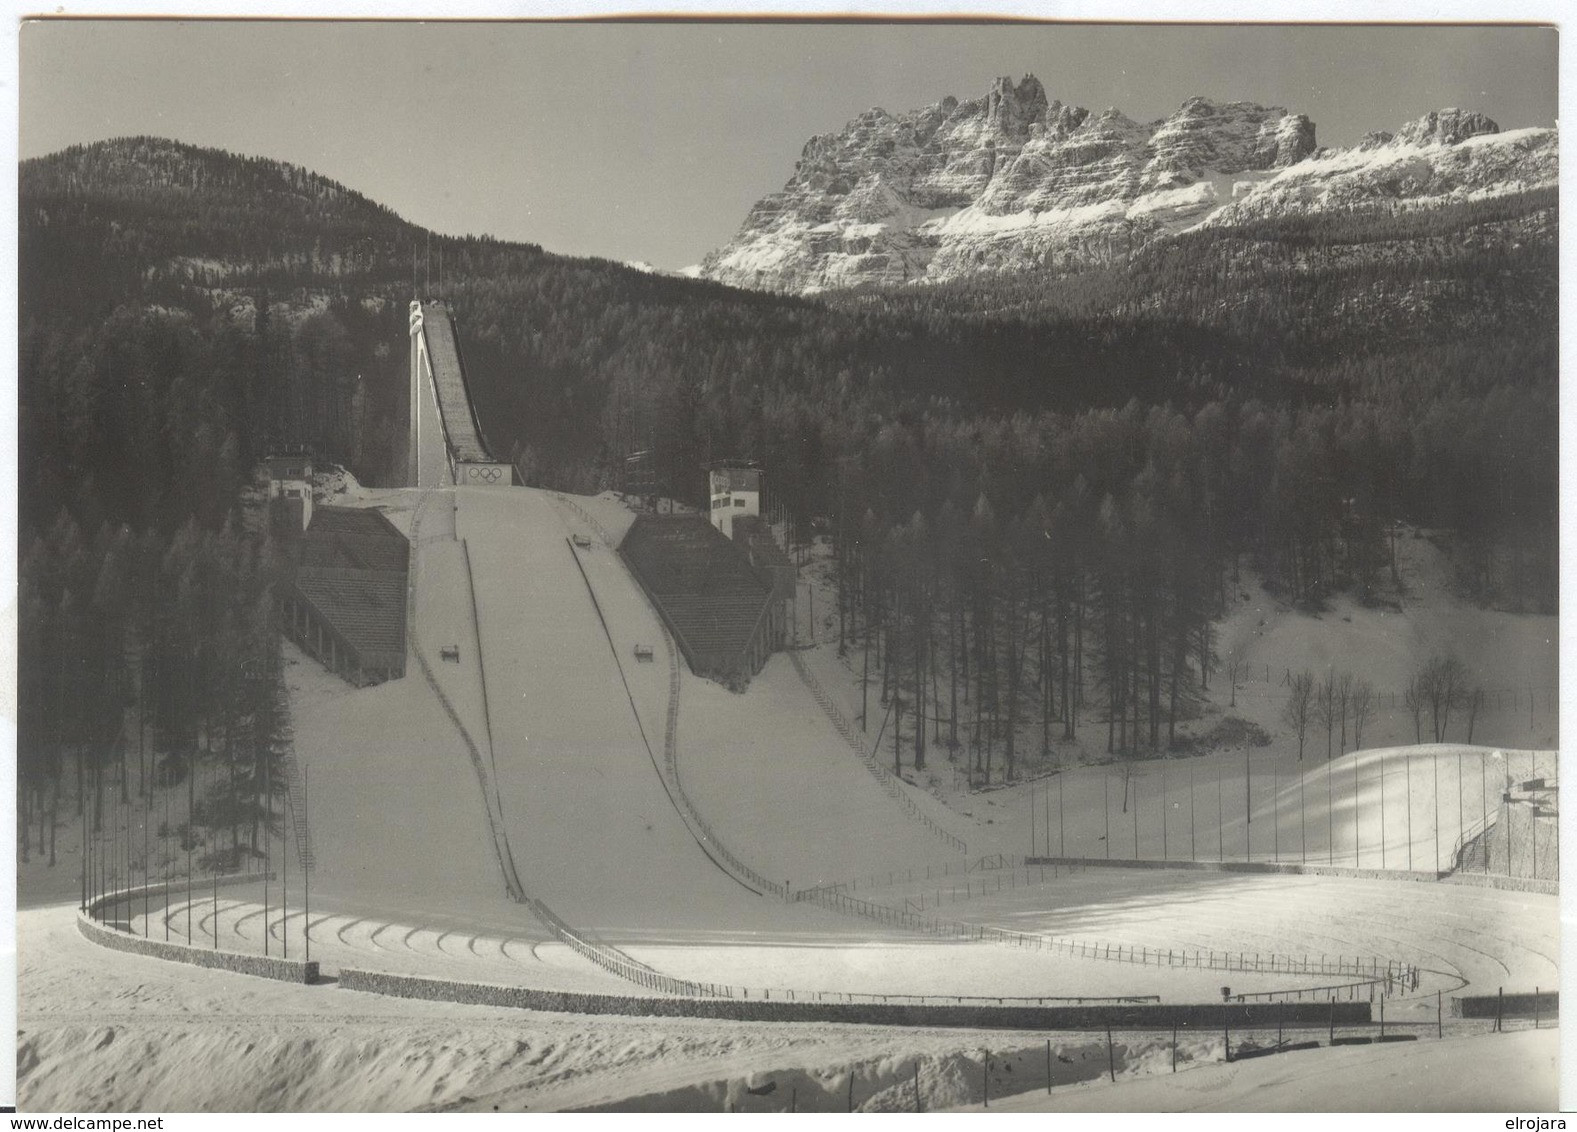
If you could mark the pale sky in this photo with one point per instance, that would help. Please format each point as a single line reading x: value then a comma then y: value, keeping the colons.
x: 651, y: 141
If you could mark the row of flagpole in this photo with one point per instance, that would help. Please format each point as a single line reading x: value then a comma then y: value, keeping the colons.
x: 109, y: 863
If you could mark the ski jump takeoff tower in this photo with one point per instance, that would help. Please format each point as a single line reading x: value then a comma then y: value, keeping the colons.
x: 441, y: 400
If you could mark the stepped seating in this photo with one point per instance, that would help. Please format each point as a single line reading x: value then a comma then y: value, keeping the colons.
x: 344, y: 601
x: 715, y: 623
x: 367, y: 608
x: 706, y: 590
x: 361, y: 539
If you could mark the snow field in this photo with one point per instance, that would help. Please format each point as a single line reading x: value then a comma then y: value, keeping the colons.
x: 102, y: 1030
x: 396, y: 811
x: 754, y: 762
x: 1504, y: 652
x: 105, y: 1030
x: 987, y: 973
x: 1512, y: 1072
x: 1400, y: 808
x: 1466, y: 940
x: 943, y: 1080
x: 588, y: 765
x: 737, y: 755
x: 839, y: 678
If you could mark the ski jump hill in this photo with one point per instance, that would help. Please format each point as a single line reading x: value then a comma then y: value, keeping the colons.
x: 550, y: 800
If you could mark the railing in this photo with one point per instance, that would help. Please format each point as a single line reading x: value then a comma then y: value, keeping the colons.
x: 671, y: 760
x: 889, y: 782
x: 296, y: 799
x: 1475, y: 830
x: 668, y: 773
x: 1392, y: 973
x: 602, y: 531
x: 1363, y: 988
x: 757, y: 638
x: 988, y: 863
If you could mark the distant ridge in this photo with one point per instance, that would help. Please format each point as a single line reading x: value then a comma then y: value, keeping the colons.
x: 1012, y: 181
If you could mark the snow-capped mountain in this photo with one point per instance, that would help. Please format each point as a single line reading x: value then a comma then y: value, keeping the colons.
x: 1013, y: 180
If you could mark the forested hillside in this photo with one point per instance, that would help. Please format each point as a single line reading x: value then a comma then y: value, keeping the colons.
x: 1095, y: 450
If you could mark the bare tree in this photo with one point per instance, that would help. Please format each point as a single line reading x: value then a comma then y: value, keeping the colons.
x: 1234, y: 667
x: 1325, y: 709
x: 1475, y: 701
x: 1344, y: 687
x: 1441, y: 686
x: 1362, y: 711
x: 1300, y: 707
x: 1413, y: 696
x: 1453, y: 690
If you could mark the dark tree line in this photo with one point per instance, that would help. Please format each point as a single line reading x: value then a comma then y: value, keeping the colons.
x: 143, y: 657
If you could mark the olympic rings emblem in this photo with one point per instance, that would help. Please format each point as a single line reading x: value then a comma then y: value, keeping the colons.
x: 491, y: 475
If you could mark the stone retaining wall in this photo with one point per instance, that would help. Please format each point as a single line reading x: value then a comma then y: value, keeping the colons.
x: 1544, y: 1004
x: 1513, y: 884
x: 1200, y: 1016
x: 267, y: 967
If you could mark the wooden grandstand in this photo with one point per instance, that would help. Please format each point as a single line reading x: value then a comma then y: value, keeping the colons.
x: 344, y: 601
x: 709, y: 594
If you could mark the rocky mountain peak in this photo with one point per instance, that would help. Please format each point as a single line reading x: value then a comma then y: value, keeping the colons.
x: 1446, y: 127
x: 1012, y: 110
x: 1012, y: 179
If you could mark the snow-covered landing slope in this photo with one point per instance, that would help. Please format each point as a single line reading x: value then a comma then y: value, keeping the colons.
x: 770, y: 771
x: 593, y: 830
x: 396, y: 814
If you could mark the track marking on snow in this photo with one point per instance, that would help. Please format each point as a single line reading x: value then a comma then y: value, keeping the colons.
x: 604, y: 955
x: 699, y: 831
x: 343, y: 928
x: 307, y: 930
x: 252, y: 915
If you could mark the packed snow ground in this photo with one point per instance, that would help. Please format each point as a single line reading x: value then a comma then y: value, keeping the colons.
x: 101, y: 1030
x: 1514, y: 1072
x: 1467, y: 940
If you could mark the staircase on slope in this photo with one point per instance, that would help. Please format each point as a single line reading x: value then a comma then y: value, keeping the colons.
x: 299, y: 812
